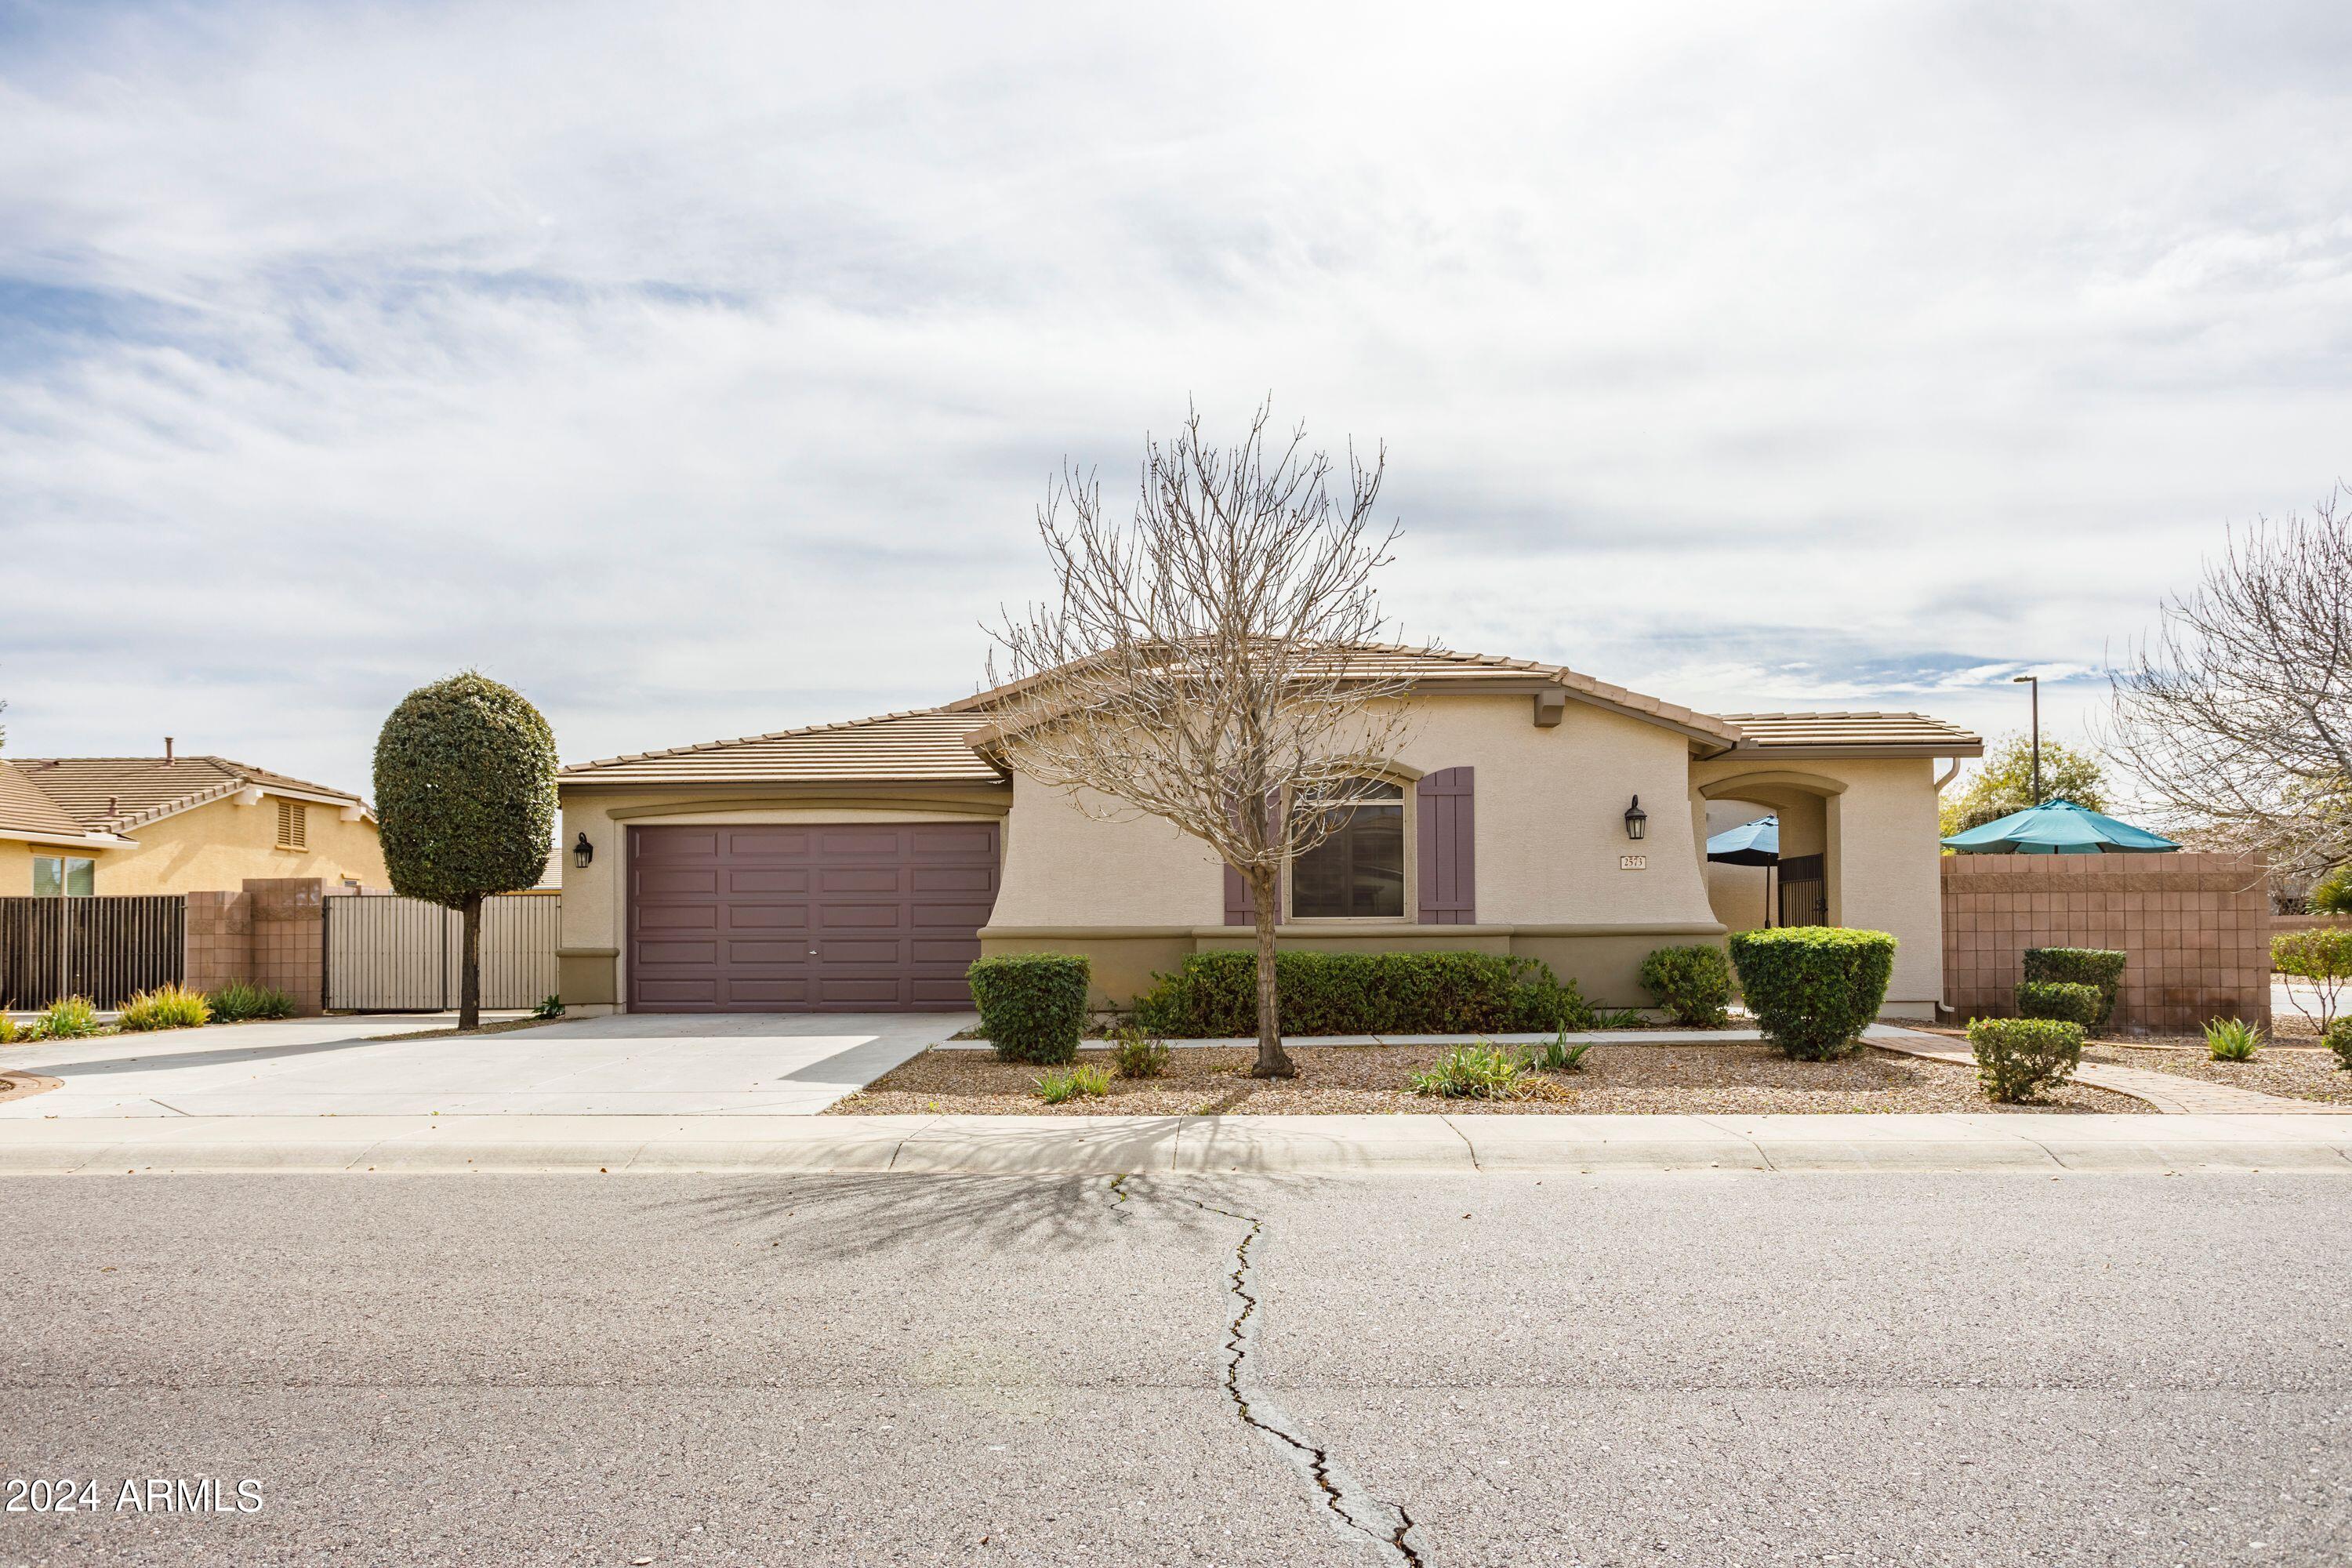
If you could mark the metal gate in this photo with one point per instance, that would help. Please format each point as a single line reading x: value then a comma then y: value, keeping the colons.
x: 1805, y: 890
x: 105, y: 948
x: 388, y: 954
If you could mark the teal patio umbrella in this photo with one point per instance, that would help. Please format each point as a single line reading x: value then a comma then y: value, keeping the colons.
x: 2059, y: 828
x: 1756, y: 843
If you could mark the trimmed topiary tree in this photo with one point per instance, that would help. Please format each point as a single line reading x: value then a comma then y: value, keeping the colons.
x: 465, y: 796
x: 1813, y: 988
x: 1033, y: 1006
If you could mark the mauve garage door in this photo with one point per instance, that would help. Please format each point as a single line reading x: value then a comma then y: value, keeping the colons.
x: 859, y: 918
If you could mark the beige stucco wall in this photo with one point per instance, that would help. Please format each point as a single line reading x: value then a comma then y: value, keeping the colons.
x: 590, y: 956
x: 1136, y: 895
x: 214, y: 848
x: 1873, y: 820
x: 218, y: 845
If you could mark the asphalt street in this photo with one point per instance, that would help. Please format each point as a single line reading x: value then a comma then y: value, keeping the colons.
x: 1712, y: 1369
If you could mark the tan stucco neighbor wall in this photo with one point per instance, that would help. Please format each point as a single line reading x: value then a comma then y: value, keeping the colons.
x: 590, y: 959
x: 215, y: 846
x: 222, y: 844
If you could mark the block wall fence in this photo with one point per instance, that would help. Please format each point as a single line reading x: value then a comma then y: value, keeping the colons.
x: 2198, y: 926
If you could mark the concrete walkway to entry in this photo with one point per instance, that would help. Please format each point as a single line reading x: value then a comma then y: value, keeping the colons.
x: 639, y: 1064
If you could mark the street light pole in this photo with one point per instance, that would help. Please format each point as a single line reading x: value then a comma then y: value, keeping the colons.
x: 2036, y: 682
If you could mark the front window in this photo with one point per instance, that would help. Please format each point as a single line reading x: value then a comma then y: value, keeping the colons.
x: 63, y: 877
x: 1359, y: 871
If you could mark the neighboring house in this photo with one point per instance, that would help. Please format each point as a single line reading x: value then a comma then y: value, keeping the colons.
x: 72, y: 827
x: 862, y: 864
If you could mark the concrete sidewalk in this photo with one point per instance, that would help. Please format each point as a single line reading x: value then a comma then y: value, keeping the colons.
x: 1105, y: 1145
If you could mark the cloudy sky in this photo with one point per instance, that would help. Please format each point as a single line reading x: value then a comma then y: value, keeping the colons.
x: 697, y: 369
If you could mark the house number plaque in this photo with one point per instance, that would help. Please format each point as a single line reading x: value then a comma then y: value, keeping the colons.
x: 1633, y: 862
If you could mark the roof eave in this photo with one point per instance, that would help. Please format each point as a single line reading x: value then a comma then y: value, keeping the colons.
x: 1972, y: 747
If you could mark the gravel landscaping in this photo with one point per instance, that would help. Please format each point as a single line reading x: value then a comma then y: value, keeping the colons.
x: 1728, y: 1079
x: 2296, y: 1072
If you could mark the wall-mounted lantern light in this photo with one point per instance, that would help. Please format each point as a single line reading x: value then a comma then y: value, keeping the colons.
x: 583, y: 852
x: 1637, y: 821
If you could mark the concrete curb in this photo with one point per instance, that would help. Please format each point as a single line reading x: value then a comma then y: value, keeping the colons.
x: 1093, y: 1146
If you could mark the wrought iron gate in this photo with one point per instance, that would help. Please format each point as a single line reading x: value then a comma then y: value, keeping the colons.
x: 1805, y: 890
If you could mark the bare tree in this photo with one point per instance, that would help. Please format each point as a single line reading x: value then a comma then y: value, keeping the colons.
x: 1217, y: 663
x: 2237, y: 716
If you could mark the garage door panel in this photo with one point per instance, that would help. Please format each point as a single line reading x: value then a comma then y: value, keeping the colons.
x: 861, y: 916
x: 676, y: 882
x: 859, y: 879
x: 977, y: 841
x: 846, y: 843
x: 753, y: 995
x: 767, y: 917
x: 747, y: 880
x: 953, y: 879
x: 788, y: 842
x: 893, y: 913
x: 678, y: 917
x: 741, y: 952
x: 950, y: 917
x: 682, y: 843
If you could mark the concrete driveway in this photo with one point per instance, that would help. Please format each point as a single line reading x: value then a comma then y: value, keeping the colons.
x: 767, y: 1065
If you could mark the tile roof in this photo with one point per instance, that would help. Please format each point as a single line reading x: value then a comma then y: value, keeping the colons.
x: 1437, y: 668
x: 921, y: 747
x: 1913, y: 731
x: 24, y: 809
x: 142, y: 789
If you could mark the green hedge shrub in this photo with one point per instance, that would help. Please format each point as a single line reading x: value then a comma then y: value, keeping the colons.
x: 1215, y: 993
x: 2061, y: 999
x: 1693, y: 984
x: 1033, y: 1006
x: 2017, y: 1058
x: 2338, y: 1039
x: 2101, y: 968
x: 1813, y: 988
x: 166, y: 1007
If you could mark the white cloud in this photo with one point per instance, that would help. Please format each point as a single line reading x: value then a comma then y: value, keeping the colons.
x: 696, y: 369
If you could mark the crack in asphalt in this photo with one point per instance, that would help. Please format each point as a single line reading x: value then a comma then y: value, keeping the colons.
x: 1386, y: 1527
x: 1119, y: 1197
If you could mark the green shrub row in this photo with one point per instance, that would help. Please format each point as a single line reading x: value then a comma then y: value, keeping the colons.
x: 1814, y: 989
x: 1693, y: 984
x: 1033, y: 1006
x: 2101, y: 968
x: 2338, y: 1039
x: 1215, y: 995
x: 2017, y: 1058
x: 242, y: 999
x: 2061, y: 999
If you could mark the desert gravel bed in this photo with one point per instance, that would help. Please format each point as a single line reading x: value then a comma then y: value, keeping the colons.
x: 1729, y: 1079
x: 2298, y: 1073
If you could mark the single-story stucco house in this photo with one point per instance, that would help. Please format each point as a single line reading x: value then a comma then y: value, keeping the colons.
x: 74, y: 826
x: 861, y: 866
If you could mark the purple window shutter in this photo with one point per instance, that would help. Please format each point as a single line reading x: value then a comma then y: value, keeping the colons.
x: 1446, y: 836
